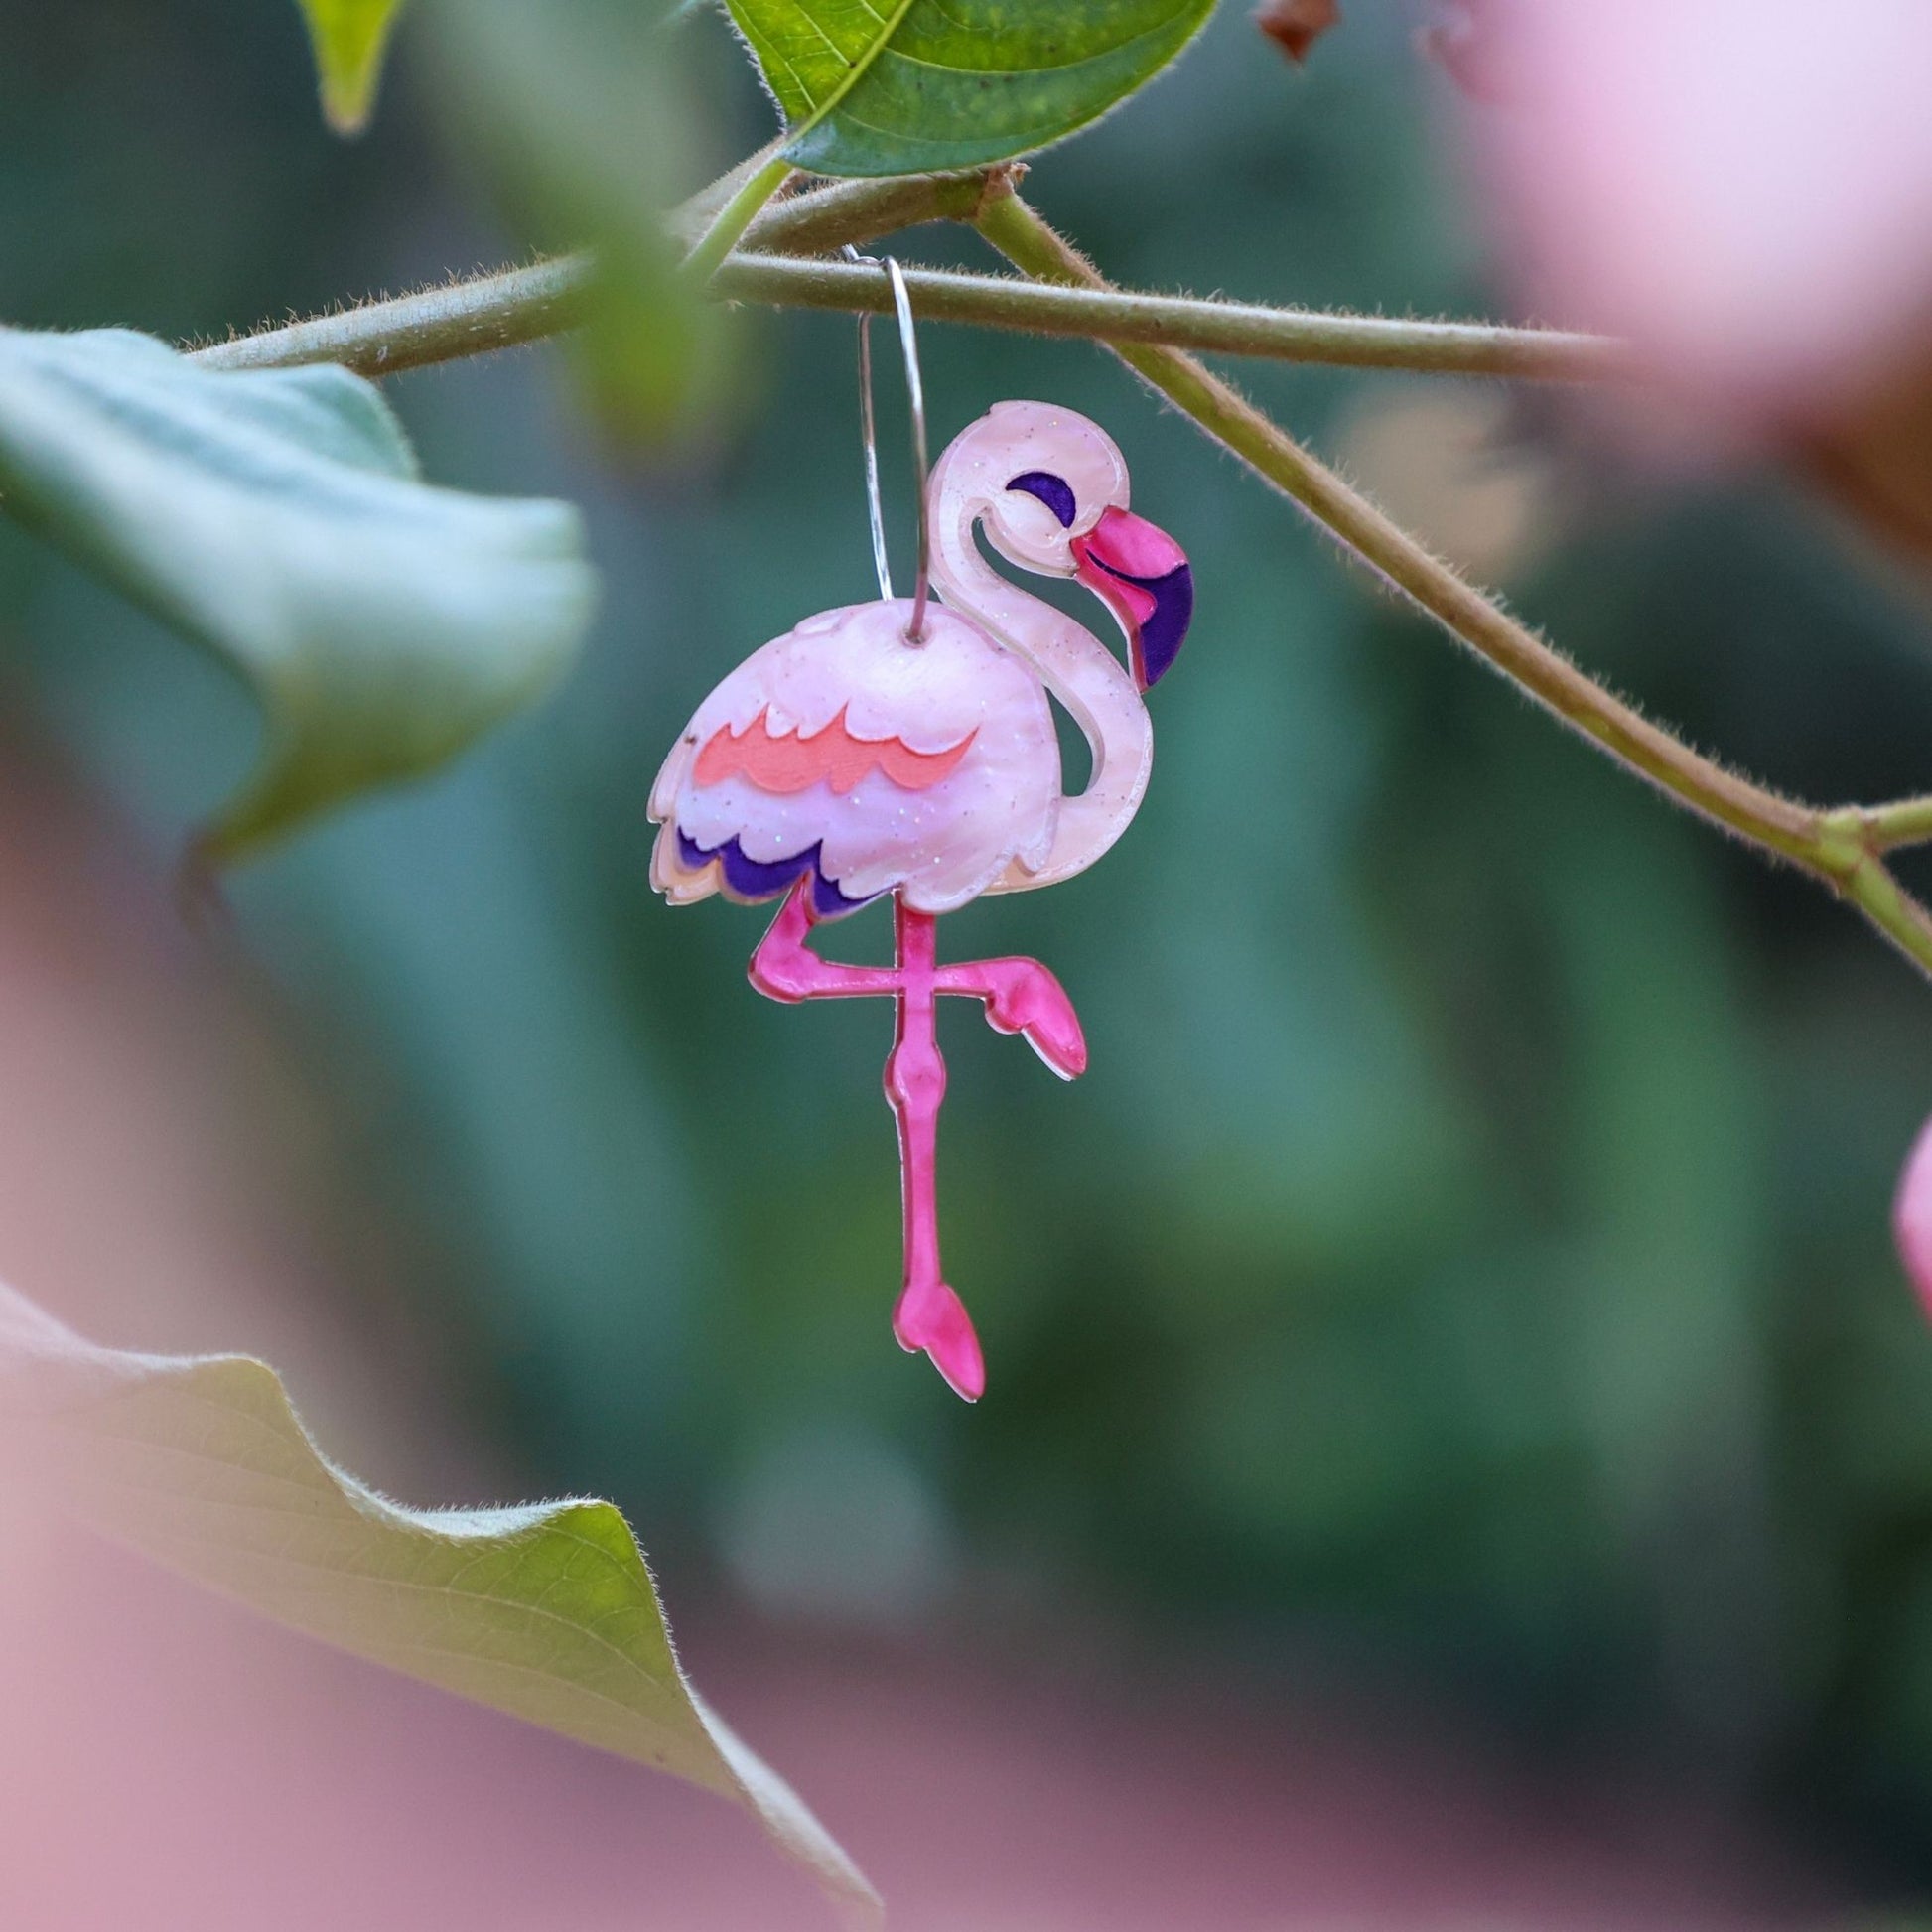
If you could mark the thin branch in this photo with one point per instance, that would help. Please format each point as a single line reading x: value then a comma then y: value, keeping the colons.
x: 1181, y: 322
x: 1019, y: 234
x: 1906, y: 821
x: 859, y: 212
x: 1831, y: 846
x: 523, y: 304
x: 406, y: 331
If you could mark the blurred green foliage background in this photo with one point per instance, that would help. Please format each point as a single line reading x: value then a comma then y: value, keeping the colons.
x: 1468, y: 1250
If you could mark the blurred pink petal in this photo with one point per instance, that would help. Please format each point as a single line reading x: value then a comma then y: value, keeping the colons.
x: 1743, y: 188
x: 1911, y: 1215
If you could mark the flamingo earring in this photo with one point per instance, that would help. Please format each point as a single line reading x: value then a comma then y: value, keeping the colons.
x: 906, y: 749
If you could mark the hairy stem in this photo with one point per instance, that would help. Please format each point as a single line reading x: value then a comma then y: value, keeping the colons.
x: 1835, y: 847
x: 523, y: 304
x: 490, y: 312
x: 860, y: 211
x: 1906, y: 821
x: 1180, y: 321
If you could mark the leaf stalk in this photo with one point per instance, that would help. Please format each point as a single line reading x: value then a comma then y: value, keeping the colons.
x: 728, y: 226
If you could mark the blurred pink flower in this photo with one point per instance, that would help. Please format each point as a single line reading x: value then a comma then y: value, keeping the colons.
x: 1911, y: 1215
x: 1743, y: 188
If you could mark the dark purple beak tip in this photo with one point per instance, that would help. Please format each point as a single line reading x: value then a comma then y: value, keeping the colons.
x: 1164, y: 629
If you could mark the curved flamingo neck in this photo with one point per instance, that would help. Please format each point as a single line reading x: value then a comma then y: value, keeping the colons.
x: 1074, y: 665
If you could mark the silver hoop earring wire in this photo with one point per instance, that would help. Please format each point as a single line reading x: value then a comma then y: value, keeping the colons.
x: 908, y: 344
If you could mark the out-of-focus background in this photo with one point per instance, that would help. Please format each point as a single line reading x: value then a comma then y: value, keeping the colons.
x: 1446, y: 1351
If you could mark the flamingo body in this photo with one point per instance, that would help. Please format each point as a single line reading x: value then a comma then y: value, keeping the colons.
x: 846, y: 762
x: 840, y: 754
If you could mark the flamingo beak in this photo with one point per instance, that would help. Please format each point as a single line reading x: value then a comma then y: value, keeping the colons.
x: 1142, y: 575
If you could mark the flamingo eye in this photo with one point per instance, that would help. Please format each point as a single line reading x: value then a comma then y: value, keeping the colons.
x: 1052, y: 491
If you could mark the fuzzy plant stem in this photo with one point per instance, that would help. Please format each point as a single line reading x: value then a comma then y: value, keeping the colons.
x: 524, y: 305
x: 1840, y: 847
x: 1116, y: 316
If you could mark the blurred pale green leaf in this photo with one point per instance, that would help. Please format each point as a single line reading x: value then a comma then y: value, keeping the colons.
x: 581, y: 112
x: 545, y: 1610
x: 276, y: 516
x: 919, y: 85
x: 349, y: 38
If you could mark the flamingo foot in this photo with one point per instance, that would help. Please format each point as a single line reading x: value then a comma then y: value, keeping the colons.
x: 930, y: 1316
x: 1022, y: 997
x: 1028, y: 1000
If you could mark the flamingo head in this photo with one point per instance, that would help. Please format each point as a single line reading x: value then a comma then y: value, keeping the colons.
x: 1052, y: 494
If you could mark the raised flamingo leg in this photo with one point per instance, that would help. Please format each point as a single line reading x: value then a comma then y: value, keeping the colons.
x: 1020, y: 997
x: 785, y: 968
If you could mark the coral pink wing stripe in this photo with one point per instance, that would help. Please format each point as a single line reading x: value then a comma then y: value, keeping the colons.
x: 788, y: 762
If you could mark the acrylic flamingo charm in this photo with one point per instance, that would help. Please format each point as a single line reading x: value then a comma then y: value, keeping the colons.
x: 844, y: 763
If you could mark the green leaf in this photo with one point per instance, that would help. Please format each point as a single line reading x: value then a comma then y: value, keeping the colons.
x: 349, y: 38
x: 544, y: 1611
x: 912, y: 87
x: 276, y: 516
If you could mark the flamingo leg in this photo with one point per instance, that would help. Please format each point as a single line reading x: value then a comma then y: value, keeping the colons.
x: 929, y: 1313
x: 1020, y: 995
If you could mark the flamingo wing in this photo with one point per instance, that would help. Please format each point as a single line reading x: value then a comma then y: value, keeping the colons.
x: 841, y: 753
